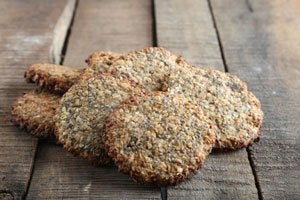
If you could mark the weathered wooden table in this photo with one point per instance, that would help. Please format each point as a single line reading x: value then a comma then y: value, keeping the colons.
x: 258, y: 40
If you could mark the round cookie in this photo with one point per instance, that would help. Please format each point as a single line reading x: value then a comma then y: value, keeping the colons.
x: 149, y: 67
x: 82, y: 111
x: 225, y: 99
x: 158, y: 138
x: 34, y: 112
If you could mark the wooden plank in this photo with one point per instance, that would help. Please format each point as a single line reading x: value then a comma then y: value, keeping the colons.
x: 98, y: 25
x: 118, y: 26
x: 58, y: 175
x: 26, y: 34
x: 261, y: 45
x: 186, y: 27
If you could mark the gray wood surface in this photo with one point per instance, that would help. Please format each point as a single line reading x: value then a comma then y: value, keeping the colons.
x: 261, y: 41
x: 105, y: 25
x: 60, y: 175
x: 25, y: 36
x: 186, y: 27
x: 98, y: 25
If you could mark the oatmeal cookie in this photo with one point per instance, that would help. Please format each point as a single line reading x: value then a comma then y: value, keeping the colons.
x: 158, y: 138
x: 225, y: 99
x: 82, y: 111
x: 56, y: 78
x: 34, y: 112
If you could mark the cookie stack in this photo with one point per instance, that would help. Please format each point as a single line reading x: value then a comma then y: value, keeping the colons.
x: 148, y: 112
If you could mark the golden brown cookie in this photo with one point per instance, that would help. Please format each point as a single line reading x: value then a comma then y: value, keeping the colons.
x: 34, y: 112
x: 225, y: 99
x: 158, y: 138
x: 82, y: 111
x: 56, y: 78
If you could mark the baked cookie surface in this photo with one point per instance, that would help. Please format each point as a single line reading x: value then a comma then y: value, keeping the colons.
x: 34, y: 111
x: 149, y: 67
x: 55, y: 78
x: 102, y: 57
x: 82, y: 111
x: 225, y: 99
x: 158, y: 138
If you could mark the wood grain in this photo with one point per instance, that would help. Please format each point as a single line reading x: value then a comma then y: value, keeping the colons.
x: 261, y: 45
x: 26, y: 34
x: 61, y: 32
x: 98, y: 25
x: 186, y: 27
x: 104, y: 25
x: 59, y: 175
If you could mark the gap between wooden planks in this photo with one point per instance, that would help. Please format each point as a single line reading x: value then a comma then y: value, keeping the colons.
x: 26, y: 34
x: 261, y: 43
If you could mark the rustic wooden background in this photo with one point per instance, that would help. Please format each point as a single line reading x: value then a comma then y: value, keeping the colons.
x: 258, y: 40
